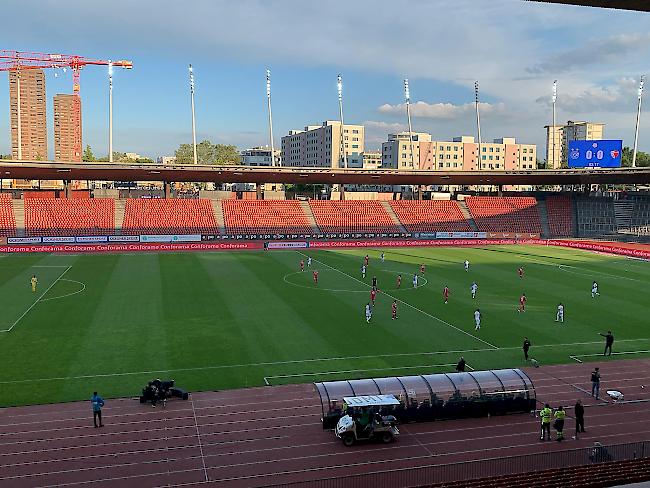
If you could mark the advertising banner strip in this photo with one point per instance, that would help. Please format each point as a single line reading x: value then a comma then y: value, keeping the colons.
x: 134, y: 247
x: 171, y: 238
x: 24, y: 240
x: 86, y: 239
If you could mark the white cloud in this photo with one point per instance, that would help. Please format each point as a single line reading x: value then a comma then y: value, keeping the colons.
x: 447, y: 111
x: 621, y: 96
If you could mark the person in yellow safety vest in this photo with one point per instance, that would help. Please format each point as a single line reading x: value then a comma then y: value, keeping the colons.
x: 559, y: 415
x: 546, y: 414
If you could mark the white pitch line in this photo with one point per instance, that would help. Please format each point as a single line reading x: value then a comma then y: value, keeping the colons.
x: 37, y: 300
x: 575, y: 358
x: 325, y: 373
x: 406, y: 303
x: 68, y: 294
x: 613, y: 354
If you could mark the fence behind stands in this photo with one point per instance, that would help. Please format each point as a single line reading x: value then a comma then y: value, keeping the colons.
x: 482, y: 468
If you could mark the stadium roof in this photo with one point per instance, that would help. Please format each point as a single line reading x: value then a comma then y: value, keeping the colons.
x: 641, y: 5
x: 34, y: 170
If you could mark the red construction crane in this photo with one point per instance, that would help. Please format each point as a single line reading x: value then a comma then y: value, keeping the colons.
x: 17, y: 61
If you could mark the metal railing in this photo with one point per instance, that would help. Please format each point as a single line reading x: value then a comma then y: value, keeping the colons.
x: 482, y: 468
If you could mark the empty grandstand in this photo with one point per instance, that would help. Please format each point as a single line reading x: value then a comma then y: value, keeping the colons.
x: 560, y: 216
x: 7, y: 219
x: 352, y: 216
x: 505, y: 214
x: 169, y: 216
x: 65, y: 217
x: 264, y: 217
x: 430, y: 216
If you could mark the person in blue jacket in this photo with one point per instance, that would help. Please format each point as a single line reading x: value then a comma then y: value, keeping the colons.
x: 97, y: 403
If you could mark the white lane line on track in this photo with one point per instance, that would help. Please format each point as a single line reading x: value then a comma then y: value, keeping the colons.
x: 406, y: 303
x: 198, y: 437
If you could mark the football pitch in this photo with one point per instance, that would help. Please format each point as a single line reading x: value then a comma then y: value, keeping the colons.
x: 222, y: 320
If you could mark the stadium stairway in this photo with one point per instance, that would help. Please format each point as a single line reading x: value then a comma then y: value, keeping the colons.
x: 217, y: 208
x: 119, y: 215
x: 391, y: 212
x: 467, y: 215
x: 19, y: 215
x: 310, y: 216
x: 543, y: 217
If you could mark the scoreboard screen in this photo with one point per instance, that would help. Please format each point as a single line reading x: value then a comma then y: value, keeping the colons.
x: 595, y: 154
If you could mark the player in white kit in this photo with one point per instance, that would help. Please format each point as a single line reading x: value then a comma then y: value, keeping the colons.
x: 368, y: 313
x: 415, y: 280
x: 466, y: 265
x: 594, y: 290
x: 559, y: 317
x: 382, y: 257
x: 474, y: 289
x: 477, y: 319
x: 363, y: 271
x: 309, y: 262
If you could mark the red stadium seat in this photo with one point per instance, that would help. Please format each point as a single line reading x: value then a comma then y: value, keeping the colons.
x: 169, y: 216
x: 560, y: 216
x: 69, y: 217
x: 265, y: 217
x: 352, y: 216
x: 7, y: 219
x: 430, y: 216
x: 505, y: 214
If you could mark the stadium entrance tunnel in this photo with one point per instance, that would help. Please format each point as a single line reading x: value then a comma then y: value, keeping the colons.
x: 430, y: 397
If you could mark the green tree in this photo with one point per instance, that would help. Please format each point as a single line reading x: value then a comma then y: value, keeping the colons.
x: 88, y: 154
x: 642, y: 158
x: 208, y: 153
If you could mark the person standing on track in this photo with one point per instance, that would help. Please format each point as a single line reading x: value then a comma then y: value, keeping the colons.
x: 559, y: 416
x: 545, y: 415
x: 595, y: 383
x: 579, y: 412
x: 97, y: 403
x: 609, y: 342
x: 34, y: 282
x: 526, y: 347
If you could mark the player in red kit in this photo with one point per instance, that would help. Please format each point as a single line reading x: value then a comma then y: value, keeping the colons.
x: 315, y: 275
x: 399, y: 281
x: 445, y: 294
x: 522, y: 303
x: 394, y: 309
x: 422, y: 269
x: 366, y: 259
x: 302, y: 265
x: 520, y: 271
x: 373, y: 295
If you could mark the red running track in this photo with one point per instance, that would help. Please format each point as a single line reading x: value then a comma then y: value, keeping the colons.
x: 262, y: 436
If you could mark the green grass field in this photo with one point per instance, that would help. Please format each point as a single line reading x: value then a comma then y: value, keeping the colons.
x: 226, y: 320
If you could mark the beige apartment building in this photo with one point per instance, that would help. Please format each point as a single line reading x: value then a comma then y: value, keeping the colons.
x: 561, y: 135
x: 33, y: 120
x: 67, y: 128
x: 460, y: 154
x: 319, y: 146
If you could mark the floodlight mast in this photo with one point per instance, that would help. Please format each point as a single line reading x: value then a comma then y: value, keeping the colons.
x: 638, y: 119
x: 268, y: 99
x: 339, y: 87
x: 478, y: 125
x: 191, y: 70
x: 553, y: 127
x: 110, y: 111
x: 407, y: 98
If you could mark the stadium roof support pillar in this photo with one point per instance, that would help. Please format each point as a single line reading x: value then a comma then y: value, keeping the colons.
x: 258, y: 190
x: 342, y: 191
x: 500, y: 190
x: 168, y: 189
x: 66, y: 188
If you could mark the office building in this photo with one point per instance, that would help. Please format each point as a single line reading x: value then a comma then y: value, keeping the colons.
x: 561, y: 135
x: 260, y: 156
x: 33, y: 121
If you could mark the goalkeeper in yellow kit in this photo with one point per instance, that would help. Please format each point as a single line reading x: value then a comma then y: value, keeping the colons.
x: 34, y: 282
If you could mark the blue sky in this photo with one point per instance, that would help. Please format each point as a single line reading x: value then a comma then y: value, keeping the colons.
x: 514, y: 48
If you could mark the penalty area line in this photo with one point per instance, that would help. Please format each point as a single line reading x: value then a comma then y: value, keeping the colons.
x: 406, y: 303
x: 68, y: 268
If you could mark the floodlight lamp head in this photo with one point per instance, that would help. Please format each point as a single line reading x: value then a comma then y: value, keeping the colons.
x: 407, y: 92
